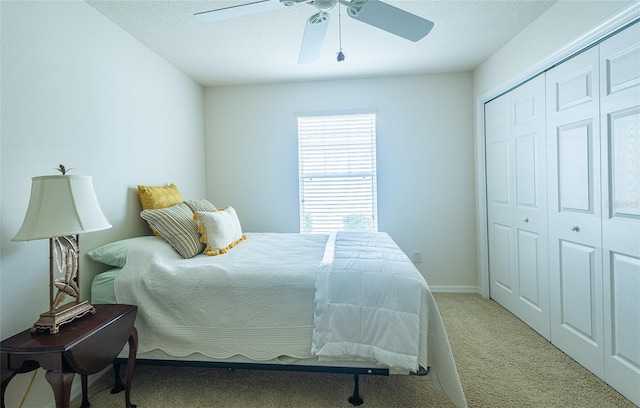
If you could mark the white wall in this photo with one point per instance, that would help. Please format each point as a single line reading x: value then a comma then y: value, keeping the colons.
x: 78, y: 90
x: 425, y: 160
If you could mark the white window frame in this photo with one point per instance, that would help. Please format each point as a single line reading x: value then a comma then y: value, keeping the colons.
x: 337, y: 172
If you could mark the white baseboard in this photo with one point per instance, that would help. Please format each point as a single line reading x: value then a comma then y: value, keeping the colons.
x: 454, y: 289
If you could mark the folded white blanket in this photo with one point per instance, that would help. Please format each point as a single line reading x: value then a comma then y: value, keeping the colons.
x: 368, y: 301
x: 352, y: 279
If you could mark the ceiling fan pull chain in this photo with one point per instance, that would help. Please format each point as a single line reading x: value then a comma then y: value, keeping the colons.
x: 340, y: 53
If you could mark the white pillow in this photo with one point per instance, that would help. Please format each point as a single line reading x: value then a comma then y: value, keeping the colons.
x: 220, y: 230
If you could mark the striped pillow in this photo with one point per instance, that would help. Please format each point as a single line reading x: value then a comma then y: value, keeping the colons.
x: 175, y: 224
x: 220, y: 230
x: 200, y: 205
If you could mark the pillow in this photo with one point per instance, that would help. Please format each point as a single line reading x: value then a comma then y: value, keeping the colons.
x: 175, y: 224
x: 115, y: 253
x: 152, y: 197
x: 200, y: 205
x: 220, y: 230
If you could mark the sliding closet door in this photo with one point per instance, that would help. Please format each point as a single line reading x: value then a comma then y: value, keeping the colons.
x: 575, y: 251
x: 517, y: 203
x: 620, y: 129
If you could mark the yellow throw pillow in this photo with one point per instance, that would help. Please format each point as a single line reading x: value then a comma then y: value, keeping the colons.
x: 154, y: 197
x: 220, y: 230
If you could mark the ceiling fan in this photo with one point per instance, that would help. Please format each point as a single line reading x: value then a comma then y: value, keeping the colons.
x: 373, y: 12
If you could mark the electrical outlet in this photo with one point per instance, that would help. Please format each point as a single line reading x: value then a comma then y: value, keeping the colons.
x: 417, y: 257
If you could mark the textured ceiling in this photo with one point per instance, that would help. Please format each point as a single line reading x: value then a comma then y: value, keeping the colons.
x: 264, y: 47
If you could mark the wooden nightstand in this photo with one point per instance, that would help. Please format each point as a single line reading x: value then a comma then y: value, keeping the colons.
x: 84, y: 346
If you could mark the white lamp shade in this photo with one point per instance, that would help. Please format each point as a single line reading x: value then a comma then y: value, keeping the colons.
x: 60, y: 206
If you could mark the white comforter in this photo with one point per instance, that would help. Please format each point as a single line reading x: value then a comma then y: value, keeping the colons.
x: 257, y: 301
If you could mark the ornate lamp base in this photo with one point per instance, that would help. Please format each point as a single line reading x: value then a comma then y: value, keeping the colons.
x: 54, y: 318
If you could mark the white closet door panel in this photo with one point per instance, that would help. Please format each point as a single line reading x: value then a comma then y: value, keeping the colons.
x: 526, y: 171
x: 577, y: 289
x: 576, y: 89
x: 624, y: 163
x: 578, y: 313
x: 516, y: 203
x: 500, y: 165
x: 625, y: 309
x: 498, y: 118
x: 499, y: 162
x: 530, y: 289
x: 530, y: 204
x: 574, y: 209
x: 620, y: 124
x: 502, y: 260
x: 526, y: 110
x: 529, y: 135
x: 622, y: 327
x: 621, y: 62
x: 503, y: 281
x: 574, y: 180
x: 575, y: 167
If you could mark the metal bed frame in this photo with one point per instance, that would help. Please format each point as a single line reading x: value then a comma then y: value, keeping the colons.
x: 355, y: 399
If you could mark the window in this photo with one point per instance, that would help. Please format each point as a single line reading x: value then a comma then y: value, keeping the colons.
x: 337, y: 169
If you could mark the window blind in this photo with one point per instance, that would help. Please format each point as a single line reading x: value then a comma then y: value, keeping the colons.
x: 337, y: 172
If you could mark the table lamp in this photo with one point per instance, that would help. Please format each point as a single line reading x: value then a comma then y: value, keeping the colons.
x: 60, y: 208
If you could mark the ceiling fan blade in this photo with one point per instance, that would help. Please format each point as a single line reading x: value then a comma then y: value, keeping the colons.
x: 313, y: 39
x: 391, y: 19
x: 238, y: 11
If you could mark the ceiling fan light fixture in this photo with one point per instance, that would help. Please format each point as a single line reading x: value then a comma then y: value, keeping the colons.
x: 319, y: 18
x: 325, y: 5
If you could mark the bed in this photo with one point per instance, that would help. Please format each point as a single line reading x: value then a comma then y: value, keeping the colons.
x: 283, y: 301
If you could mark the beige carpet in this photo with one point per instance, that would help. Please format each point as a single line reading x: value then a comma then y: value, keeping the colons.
x: 501, y: 362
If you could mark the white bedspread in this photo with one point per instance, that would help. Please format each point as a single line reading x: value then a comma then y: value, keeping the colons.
x: 257, y: 301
